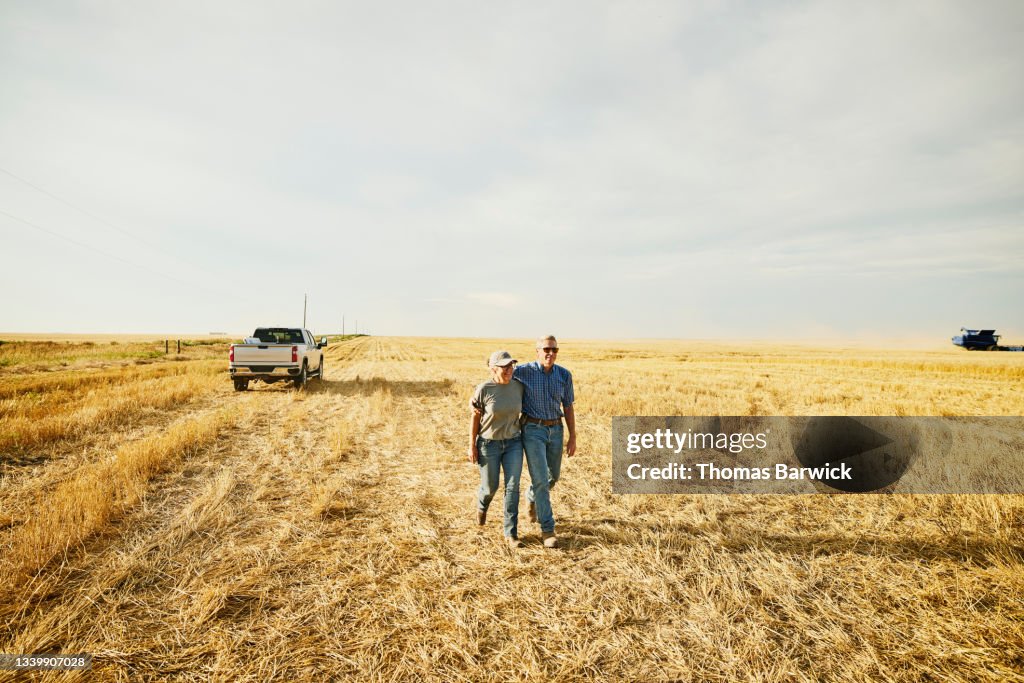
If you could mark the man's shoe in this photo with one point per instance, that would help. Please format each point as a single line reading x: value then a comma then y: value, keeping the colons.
x: 550, y: 540
x: 514, y: 542
x: 481, y: 517
x: 531, y: 511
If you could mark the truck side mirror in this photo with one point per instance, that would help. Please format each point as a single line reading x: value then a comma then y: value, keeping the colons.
x: 323, y: 342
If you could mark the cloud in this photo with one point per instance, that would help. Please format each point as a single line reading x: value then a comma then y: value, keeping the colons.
x: 634, y: 158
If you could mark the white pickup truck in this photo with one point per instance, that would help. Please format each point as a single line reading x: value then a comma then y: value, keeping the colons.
x: 276, y: 354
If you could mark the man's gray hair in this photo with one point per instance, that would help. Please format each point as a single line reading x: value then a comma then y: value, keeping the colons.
x: 541, y: 340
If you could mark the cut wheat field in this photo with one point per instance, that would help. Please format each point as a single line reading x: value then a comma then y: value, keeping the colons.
x: 178, y: 530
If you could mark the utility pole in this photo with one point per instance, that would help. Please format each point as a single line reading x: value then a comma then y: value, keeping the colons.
x: 357, y: 325
x: 305, y: 299
x: 342, y: 324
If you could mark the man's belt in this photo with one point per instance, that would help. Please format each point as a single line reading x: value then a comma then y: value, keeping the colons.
x: 546, y: 423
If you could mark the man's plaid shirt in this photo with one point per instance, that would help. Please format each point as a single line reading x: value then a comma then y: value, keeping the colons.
x: 546, y: 392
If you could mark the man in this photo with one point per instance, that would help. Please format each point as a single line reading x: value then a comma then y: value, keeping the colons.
x: 547, y: 399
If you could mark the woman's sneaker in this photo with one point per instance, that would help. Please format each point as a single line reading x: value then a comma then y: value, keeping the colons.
x: 514, y: 542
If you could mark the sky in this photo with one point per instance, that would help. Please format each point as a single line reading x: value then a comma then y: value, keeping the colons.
x: 707, y: 170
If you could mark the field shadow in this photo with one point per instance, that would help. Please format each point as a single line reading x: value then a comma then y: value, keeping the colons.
x: 368, y: 387
x: 359, y: 387
x: 17, y: 458
x: 680, y: 536
x: 978, y: 552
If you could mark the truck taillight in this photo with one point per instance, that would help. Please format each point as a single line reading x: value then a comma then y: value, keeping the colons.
x: 295, y: 354
x: 231, y: 354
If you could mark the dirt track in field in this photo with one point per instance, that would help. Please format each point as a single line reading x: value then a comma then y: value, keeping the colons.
x: 331, y: 532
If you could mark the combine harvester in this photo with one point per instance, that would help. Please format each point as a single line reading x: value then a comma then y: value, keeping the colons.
x: 982, y: 340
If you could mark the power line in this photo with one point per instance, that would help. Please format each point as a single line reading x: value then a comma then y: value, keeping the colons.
x: 86, y: 212
x: 110, y: 225
x: 111, y: 256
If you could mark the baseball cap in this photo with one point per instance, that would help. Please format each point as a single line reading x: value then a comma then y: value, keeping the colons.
x: 501, y: 359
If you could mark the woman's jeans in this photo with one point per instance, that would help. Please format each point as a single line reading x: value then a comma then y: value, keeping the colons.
x: 506, y: 454
x: 544, y: 459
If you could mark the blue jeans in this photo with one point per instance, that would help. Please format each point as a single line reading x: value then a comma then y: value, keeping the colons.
x: 544, y: 459
x: 506, y: 455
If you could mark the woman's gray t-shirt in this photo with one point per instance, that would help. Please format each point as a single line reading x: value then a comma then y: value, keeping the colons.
x: 501, y: 405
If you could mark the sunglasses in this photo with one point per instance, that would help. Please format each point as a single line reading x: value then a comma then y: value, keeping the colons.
x: 510, y: 366
x: 550, y: 349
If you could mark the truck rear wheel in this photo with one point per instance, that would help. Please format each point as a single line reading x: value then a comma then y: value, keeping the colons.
x: 241, y: 384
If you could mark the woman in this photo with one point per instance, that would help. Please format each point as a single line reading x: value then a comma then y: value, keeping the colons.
x: 495, y: 442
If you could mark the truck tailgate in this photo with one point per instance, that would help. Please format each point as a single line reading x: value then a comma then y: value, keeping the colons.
x: 263, y: 354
